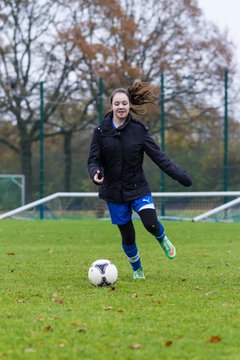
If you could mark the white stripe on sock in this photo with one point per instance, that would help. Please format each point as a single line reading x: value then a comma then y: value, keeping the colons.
x: 134, y: 259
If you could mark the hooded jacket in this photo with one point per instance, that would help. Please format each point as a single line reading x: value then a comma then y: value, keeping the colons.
x: 118, y: 153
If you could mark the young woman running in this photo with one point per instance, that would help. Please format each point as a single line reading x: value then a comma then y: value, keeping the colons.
x: 115, y: 164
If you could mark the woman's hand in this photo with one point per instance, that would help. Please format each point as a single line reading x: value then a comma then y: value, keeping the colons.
x: 186, y: 180
x: 98, y: 178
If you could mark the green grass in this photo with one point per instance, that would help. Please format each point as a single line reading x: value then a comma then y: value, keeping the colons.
x: 188, y: 308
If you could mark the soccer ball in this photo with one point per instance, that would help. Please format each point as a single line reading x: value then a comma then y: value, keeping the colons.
x: 102, y: 273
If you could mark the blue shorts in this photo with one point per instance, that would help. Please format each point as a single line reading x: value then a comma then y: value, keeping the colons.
x: 121, y: 213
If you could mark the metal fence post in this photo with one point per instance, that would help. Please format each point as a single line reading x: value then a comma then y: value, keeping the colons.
x: 41, y: 140
x: 100, y: 100
x: 225, y: 165
x: 162, y: 115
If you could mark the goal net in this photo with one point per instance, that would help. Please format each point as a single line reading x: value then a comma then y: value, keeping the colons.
x: 12, y: 191
x: 188, y: 206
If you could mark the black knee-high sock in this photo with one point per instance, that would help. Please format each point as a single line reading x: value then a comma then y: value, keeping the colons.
x: 129, y: 245
x: 151, y: 223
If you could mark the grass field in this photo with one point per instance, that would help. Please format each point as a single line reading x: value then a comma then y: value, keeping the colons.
x: 188, y: 308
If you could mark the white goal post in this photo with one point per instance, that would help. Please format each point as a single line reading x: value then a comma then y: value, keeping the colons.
x: 191, y: 206
x: 216, y: 210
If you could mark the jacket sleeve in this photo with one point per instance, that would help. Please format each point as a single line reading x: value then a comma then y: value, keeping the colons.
x: 94, y: 159
x: 164, y: 162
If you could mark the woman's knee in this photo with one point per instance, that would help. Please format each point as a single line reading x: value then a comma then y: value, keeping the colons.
x: 150, y: 220
x: 128, y: 233
x: 152, y: 227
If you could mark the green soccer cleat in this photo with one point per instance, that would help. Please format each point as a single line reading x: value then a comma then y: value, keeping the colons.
x: 168, y: 248
x: 138, y: 274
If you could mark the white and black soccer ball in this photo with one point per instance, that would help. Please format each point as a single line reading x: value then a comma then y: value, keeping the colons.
x: 102, y: 272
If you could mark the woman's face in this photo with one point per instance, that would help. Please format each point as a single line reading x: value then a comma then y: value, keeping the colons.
x: 120, y: 106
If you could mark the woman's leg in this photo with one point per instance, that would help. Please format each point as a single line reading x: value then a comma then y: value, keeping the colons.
x: 121, y: 216
x: 155, y: 227
x: 129, y: 245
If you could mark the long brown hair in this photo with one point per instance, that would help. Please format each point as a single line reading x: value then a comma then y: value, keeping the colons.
x: 139, y: 94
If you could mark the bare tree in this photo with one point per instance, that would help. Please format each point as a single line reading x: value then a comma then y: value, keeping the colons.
x: 71, y: 46
x: 31, y: 52
x: 143, y: 40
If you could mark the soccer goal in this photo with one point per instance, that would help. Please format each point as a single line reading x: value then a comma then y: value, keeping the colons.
x: 12, y: 191
x: 181, y: 206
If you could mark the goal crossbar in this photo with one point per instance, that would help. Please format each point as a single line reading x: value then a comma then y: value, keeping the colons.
x: 154, y: 194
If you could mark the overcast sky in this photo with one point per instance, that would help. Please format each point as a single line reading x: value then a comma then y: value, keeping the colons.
x: 226, y: 15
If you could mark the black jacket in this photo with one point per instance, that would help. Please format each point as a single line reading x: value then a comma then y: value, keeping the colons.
x: 118, y: 154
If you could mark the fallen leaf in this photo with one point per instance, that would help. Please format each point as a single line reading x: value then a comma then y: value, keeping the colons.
x: 168, y: 343
x: 119, y: 310
x: 75, y: 323
x: 82, y: 327
x: 20, y: 301
x: 55, y: 298
x: 56, y: 295
x: 209, y: 293
x: 6, y: 353
x: 214, y: 339
x: 136, y: 346
x: 48, y: 328
x: 29, y: 350
x: 39, y: 318
x: 58, y: 301
x: 82, y: 330
x: 10, y: 253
